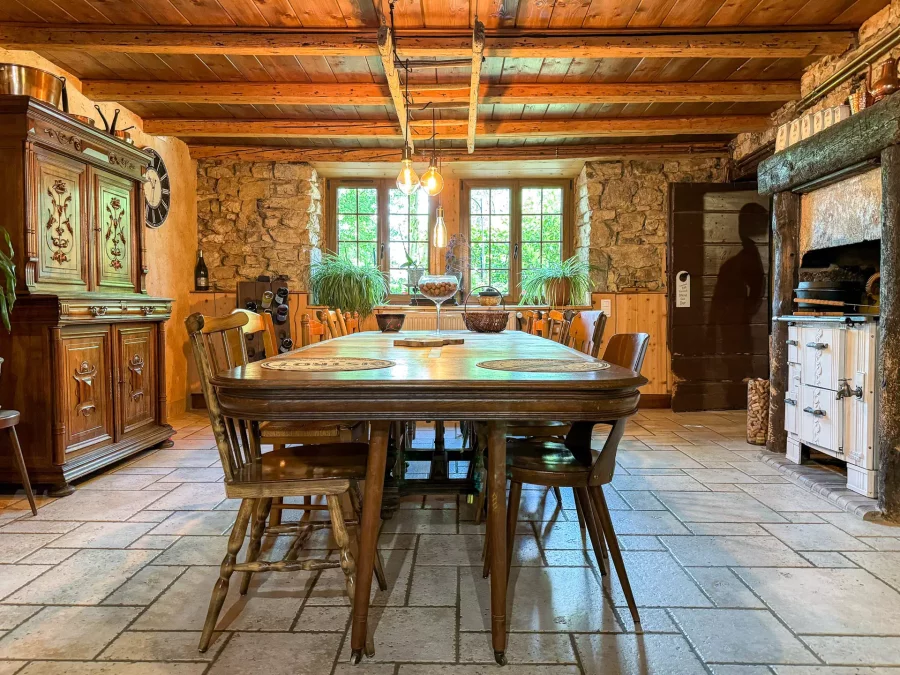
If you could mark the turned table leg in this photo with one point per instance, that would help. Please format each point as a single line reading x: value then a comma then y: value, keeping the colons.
x: 496, y: 432
x: 368, y: 537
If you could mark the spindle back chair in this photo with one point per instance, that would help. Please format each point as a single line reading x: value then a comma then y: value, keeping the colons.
x: 586, y: 333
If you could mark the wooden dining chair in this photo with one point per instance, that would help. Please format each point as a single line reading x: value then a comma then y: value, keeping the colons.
x: 351, y: 322
x: 558, y: 325
x: 586, y: 332
x: 574, y: 464
x: 8, y: 421
x: 334, y: 322
x: 311, y: 330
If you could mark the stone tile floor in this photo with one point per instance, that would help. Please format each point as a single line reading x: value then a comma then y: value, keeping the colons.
x: 736, y: 570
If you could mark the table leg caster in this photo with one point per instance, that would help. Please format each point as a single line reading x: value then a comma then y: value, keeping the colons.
x: 500, y: 657
x: 356, y: 656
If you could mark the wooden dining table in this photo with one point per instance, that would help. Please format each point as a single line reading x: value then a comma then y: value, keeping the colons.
x: 431, y: 383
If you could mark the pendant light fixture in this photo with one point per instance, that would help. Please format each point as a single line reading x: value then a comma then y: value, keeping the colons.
x: 432, y: 181
x: 439, y: 233
x: 407, y: 179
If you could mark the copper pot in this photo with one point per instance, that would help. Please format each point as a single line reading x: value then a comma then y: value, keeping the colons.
x: 886, y: 83
x: 16, y: 80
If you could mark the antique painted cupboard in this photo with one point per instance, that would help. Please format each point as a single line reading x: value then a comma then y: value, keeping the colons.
x: 86, y: 357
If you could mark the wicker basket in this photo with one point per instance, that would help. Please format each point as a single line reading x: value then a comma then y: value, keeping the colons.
x: 485, y: 321
x: 757, y: 411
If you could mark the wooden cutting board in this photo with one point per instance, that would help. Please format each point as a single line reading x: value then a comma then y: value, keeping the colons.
x: 428, y: 342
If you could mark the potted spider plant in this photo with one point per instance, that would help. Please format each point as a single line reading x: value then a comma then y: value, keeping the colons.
x: 7, y: 280
x: 336, y: 281
x: 558, y: 283
x: 413, y: 271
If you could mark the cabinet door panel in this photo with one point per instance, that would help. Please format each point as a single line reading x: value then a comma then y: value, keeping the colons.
x: 59, y: 221
x: 113, y: 214
x: 822, y: 350
x: 136, y: 366
x: 820, y: 418
x: 87, y: 398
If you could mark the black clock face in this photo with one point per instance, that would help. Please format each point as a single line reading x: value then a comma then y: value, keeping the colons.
x: 157, y: 193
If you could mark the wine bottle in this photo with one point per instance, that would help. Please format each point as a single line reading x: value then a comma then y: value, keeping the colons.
x: 201, y: 274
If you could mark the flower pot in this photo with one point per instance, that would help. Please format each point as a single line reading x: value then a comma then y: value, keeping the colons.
x: 413, y: 275
x: 557, y: 292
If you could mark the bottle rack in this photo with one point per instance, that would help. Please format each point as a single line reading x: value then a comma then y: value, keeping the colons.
x: 270, y: 297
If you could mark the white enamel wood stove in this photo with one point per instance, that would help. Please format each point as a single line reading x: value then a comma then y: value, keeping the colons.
x: 830, y: 404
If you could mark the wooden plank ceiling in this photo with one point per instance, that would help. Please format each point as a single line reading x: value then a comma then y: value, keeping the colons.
x: 556, y: 73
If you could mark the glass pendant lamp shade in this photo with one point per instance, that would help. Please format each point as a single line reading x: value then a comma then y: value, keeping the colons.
x: 439, y: 235
x: 432, y: 181
x: 407, y: 179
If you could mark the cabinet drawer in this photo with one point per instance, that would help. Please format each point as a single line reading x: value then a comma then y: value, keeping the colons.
x: 86, y: 394
x: 820, y: 418
x: 792, y: 412
x: 821, y: 352
x: 793, y: 350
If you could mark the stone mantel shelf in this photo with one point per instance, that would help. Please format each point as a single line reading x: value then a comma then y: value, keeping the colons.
x: 853, y: 141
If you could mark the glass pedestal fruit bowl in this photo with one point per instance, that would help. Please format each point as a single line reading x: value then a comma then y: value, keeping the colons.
x: 438, y: 288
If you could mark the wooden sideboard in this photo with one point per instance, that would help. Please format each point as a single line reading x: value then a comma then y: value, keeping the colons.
x: 86, y: 356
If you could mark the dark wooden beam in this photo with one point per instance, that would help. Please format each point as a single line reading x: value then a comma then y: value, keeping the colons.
x: 785, y: 271
x: 772, y: 43
x: 258, y: 153
x: 858, y: 139
x: 474, y: 84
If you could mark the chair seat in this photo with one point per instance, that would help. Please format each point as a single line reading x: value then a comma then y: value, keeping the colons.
x: 342, y: 461
x: 546, y: 463
x: 304, y: 429
x: 536, y: 428
x: 8, y: 418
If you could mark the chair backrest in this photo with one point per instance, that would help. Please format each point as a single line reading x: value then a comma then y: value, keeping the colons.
x: 586, y: 332
x: 627, y: 350
x: 558, y: 326
x: 261, y: 323
x: 335, y: 327
x: 218, y: 344
x: 351, y: 322
x: 529, y: 318
x: 311, y: 330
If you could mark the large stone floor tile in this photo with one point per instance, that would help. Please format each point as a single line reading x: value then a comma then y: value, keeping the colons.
x: 814, y: 537
x: 637, y: 654
x: 714, y: 476
x: 433, y: 587
x: 13, y: 577
x: 191, y: 497
x: 195, y: 550
x: 12, y: 615
x: 549, y: 599
x: 832, y: 670
x: 520, y: 648
x: 884, y: 565
x: 103, y: 535
x: 655, y: 459
x: 827, y: 601
x: 145, y: 586
x: 732, y: 551
x: 657, y: 581
x: 277, y: 654
x: 741, y: 636
x: 160, y: 646
x: 213, y: 475
x: 412, y: 634
x: 646, y: 522
x: 66, y: 632
x: 194, y: 522
x: 118, y: 481
x: 861, y: 650
x: 669, y: 483
x: 177, y: 459
x: 788, y: 498
x: 718, y: 508
x: 487, y: 669
x: 112, y: 668
x: 98, y: 505
x: 183, y: 605
x: 724, y: 588
x: 857, y: 527
x: 84, y: 579
x: 465, y: 549
x: 422, y: 521
x: 14, y: 547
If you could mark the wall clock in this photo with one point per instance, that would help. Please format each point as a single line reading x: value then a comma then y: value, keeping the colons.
x: 157, y: 195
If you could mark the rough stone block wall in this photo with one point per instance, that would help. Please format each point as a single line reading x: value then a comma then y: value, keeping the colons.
x: 259, y: 218
x: 621, y: 217
x: 873, y: 29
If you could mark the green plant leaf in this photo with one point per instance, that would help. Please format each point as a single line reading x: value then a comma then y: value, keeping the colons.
x: 540, y: 284
x: 336, y: 281
x: 7, y: 280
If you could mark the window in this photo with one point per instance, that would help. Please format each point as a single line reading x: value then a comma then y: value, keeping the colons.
x: 374, y: 223
x: 514, y: 227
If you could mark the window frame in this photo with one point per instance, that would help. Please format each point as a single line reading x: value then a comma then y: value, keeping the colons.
x: 382, y: 244
x: 516, y: 185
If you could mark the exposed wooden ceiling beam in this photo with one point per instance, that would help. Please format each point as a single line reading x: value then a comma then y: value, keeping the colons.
x: 477, y: 58
x: 772, y: 43
x: 322, y: 154
x: 451, y: 129
x: 386, y: 50
x: 251, y: 93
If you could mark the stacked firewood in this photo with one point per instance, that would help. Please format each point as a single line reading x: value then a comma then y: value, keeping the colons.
x: 757, y: 411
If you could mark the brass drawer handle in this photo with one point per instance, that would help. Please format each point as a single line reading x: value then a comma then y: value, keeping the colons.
x: 814, y: 411
x: 817, y: 345
x: 790, y: 401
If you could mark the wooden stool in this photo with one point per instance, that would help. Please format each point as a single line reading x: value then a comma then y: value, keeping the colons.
x: 8, y: 420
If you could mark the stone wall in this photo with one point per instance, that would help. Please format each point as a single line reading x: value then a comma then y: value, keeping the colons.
x: 621, y: 217
x: 259, y: 218
x: 872, y: 30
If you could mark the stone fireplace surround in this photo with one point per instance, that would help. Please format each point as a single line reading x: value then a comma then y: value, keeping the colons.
x: 849, y: 151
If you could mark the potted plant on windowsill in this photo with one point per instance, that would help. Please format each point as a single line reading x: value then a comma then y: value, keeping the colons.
x: 413, y: 271
x: 7, y: 280
x: 558, y: 283
x: 336, y: 281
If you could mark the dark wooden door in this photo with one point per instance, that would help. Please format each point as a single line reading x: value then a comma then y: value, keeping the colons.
x: 719, y: 338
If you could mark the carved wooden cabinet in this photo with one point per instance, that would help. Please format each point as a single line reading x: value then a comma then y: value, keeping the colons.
x: 86, y: 357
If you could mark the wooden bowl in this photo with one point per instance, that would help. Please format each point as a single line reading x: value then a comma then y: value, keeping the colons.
x: 390, y: 323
